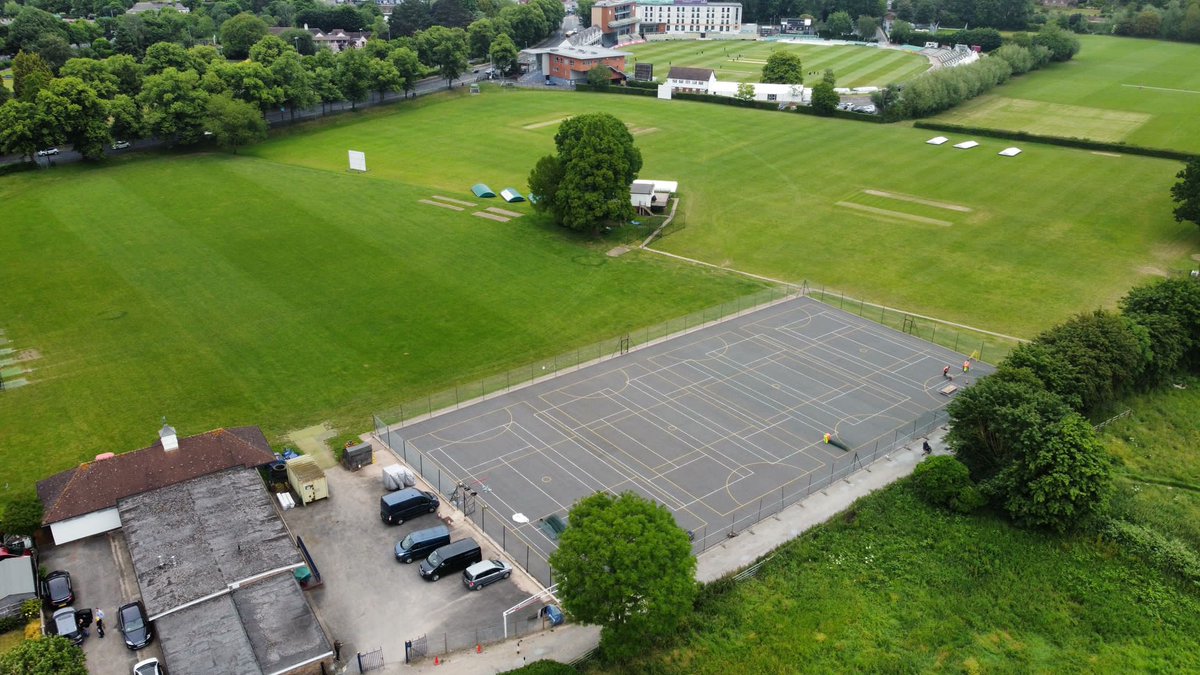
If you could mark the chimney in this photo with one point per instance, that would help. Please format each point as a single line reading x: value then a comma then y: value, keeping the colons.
x: 169, y: 440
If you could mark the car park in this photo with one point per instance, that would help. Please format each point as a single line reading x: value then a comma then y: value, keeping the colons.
x: 451, y: 558
x: 65, y: 624
x: 149, y: 667
x: 485, y: 573
x: 121, y: 145
x: 47, y: 152
x: 57, y: 589
x: 131, y: 621
x: 418, y: 545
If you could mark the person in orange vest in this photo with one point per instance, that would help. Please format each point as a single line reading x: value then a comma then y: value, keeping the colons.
x: 966, y: 365
x: 827, y: 437
x: 946, y: 372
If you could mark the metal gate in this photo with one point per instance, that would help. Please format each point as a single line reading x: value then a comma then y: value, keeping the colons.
x: 370, y: 660
x: 464, y: 498
x: 415, y: 650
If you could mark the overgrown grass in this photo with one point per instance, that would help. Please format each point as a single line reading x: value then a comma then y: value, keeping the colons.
x: 1140, y: 92
x: 894, y: 585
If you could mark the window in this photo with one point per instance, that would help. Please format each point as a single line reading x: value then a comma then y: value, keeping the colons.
x: 771, y: 97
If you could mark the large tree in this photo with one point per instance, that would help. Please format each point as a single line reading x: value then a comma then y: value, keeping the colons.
x: 625, y: 565
x: 70, y: 112
x: 30, y: 25
x: 451, y: 13
x: 30, y: 74
x: 92, y: 72
x: 20, y: 133
x: 449, y: 53
x: 1177, y: 298
x: 1186, y: 193
x: 407, y: 65
x: 1037, y: 458
x: 479, y: 37
x: 354, y: 75
x: 240, y: 33
x: 173, y: 105
x: 234, y: 123
x: 586, y: 185
x: 824, y: 99
x: 51, y: 655
x: 295, y: 82
x: 504, y: 55
x: 783, y: 67
x: 409, y: 17
x: 839, y: 23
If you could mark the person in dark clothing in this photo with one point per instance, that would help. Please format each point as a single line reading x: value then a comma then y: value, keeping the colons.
x: 926, y: 448
x: 100, y: 627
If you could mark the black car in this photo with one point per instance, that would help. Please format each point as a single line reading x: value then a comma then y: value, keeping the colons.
x: 131, y: 621
x: 64, y: 623
x: 57, y: 589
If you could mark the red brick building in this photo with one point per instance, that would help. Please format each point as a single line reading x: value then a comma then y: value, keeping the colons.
x: 566, y: 64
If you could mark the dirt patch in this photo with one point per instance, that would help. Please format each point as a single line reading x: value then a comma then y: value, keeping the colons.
x: 28, y: 355
x: 920, y: 200
x: 618, y: 251
x: 1196, y: 257
x: 1146, y: 269
x: 444, y: 206
x: 894, y: 215
x: 640, y: 131
x: 490, y: 216
x: 504, y: 212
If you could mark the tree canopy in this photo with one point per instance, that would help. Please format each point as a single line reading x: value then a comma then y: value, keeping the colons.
x: 625, y: 565
x: 51, y: 655
x: 233, y: 123
x: 824, y: 99
x: 783, y: 67
x: 240, y: 33
x: 1186, y: 193
x: 586, y: 185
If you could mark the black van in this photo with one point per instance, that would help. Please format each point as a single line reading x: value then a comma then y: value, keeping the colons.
x: 417, y: 545
x: 451, y: 558
x: 397, y: 507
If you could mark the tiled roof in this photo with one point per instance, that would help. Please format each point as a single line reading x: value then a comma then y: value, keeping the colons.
x: 683, y: 73
x: 98, y: 485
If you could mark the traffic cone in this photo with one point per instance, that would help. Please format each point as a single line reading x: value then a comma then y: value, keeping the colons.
x: 478, y: 649
x: 436, y: 662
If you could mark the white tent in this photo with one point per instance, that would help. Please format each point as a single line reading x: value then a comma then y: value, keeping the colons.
x: 966, y: 145
x: 1010, y: 152
x: 937, y: 140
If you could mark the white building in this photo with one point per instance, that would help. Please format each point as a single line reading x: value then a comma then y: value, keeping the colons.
x: 704, y: 81
x: 689, y: 17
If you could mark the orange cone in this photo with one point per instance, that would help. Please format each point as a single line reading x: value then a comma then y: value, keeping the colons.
x: 436, y: 662
x: 478, y: 649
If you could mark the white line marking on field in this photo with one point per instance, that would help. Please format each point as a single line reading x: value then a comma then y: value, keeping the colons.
x: 1146, y: 86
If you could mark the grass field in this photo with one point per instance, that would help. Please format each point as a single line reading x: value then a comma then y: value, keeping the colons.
x: 855, y: 66
x: 1120, y: 90
x: 781, y: 195
x: 222, y: 290
x: 274, y: 288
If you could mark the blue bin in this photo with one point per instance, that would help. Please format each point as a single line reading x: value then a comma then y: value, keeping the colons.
x: 553, y: 614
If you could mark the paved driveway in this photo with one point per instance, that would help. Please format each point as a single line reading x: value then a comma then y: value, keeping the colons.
x: 369, y: 599
x: 103, y: 577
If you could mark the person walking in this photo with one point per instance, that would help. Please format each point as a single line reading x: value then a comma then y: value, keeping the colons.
x: 946, y: 372
x: 99, y: 622
x: 926, y: 448
x: 966, y: 365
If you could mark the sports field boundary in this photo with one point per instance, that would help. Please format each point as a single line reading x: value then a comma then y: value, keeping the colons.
x: 1081, y: 143
x: 981, y: 341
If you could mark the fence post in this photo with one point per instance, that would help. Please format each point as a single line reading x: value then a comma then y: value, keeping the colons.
x: 933, y: 332
x: 956, y: 336
x: 759, y: 510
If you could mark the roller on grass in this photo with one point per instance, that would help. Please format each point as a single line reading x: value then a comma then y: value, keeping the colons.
x: 830, y: 440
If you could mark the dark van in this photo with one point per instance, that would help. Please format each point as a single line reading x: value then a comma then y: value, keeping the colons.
x: 397, y: 507
x: 419, y: 544
x: 451, y: 558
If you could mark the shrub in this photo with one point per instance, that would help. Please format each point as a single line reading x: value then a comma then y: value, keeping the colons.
x: 30, y: 609
x: 969, y: 500
x: 543, y: 667
x: 939, y: 480
x: 11, y: 623
x: 1166, y: 553
x: 22, y: 516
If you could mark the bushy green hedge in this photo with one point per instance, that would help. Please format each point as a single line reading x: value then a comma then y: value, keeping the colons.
x: 944, y: 481
x: 1082, y: 143
x: 631, y: 91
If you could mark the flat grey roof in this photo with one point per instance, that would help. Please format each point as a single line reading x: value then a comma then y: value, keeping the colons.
x: 195, y: 538
x: 191, y: 540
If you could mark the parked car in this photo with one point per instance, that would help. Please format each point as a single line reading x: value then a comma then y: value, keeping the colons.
x: 418, y: 545
x: 65, y: 624
x: 47, y: 152
x: 451, y: 558
x: 131, y: 621
x: 149, y: 667
x: 483, y: 573
x: 397, y: 507
x: 57, y: 589
x: 121, y: 145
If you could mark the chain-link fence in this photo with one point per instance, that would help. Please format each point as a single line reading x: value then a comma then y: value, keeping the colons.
x: 440, y: 644
x: 853, y: 460
x: 979, y: 344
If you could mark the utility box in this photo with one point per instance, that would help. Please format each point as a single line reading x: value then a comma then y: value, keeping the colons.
x: 356, y: 457
x: 307, y: 479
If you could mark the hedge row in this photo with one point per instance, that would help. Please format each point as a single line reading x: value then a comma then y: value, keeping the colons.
x: 728, y: 100
x: 1082, y: 143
